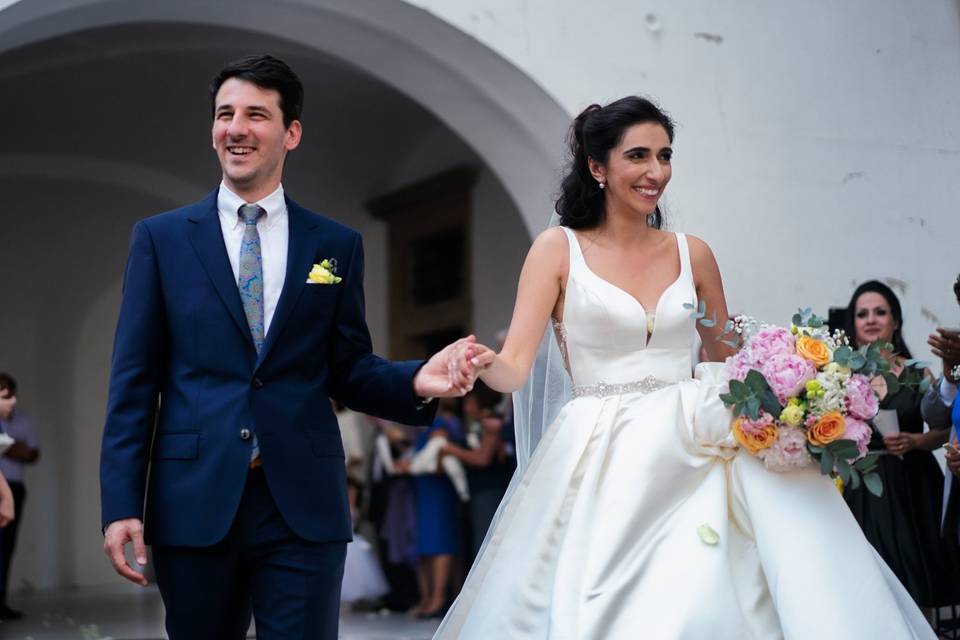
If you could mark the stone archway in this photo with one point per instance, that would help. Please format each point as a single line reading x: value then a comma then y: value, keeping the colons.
x: 510, y: 121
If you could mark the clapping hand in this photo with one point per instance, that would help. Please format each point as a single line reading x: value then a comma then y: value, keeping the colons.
x: 953, y: 457
x: 945, y: 344
x: 451, y: 372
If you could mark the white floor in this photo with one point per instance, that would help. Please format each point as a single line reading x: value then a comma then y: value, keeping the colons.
x: 131, y: 613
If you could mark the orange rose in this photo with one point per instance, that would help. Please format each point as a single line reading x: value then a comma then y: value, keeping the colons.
x: 754, y: 441
x: 813, y: 350
x: 828, y: 428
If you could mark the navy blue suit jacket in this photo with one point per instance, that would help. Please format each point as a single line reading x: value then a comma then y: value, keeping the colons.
x: 186, y: 380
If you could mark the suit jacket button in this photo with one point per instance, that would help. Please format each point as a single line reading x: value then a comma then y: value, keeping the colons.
x: 257, y: 383
x: 244, y: 434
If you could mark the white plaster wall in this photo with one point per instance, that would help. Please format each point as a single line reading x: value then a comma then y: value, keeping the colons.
x: 818, y: 142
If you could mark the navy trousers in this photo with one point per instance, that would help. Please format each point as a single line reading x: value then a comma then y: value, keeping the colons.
x: 289, y: 585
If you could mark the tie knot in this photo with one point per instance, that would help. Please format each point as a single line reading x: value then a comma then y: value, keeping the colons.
x: 250, y: 213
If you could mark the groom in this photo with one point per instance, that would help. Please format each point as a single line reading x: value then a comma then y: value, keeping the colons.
x: 219, y: 432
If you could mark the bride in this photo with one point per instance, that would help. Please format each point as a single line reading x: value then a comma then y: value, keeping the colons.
x: 637, y: 516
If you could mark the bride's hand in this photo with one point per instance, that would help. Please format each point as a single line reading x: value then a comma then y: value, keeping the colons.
x: 480, y: 357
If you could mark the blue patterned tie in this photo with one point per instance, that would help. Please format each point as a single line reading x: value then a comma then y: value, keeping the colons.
x: 250, y: 282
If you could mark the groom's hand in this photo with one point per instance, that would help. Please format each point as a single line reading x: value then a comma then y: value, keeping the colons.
x: 450, y: 372
x: 115, y: 539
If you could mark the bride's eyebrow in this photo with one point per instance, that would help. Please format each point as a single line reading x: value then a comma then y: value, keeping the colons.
x: 633, y: 150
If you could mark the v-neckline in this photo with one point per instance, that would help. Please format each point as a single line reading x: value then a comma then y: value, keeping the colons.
x: 648, y: 335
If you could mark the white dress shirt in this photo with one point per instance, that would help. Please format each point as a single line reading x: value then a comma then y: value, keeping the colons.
x: 274, y: 238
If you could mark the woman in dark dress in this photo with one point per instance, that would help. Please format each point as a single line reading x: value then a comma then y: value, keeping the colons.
x: 439, y: 537
x: 903, y: 524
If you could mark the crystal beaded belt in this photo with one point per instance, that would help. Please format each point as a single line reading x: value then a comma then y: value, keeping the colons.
x: 603, y: 389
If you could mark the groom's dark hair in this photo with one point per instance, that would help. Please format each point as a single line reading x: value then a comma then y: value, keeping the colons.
x: 267, y: 72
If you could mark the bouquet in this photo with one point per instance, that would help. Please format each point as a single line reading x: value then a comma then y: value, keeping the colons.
x: 801, y: 395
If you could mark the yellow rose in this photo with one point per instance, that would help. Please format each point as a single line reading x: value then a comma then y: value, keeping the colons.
x: 755, y: 442
x: 792, y: 414
x: 813, y: 350
x: 828, y: 428
x: 322, y: 275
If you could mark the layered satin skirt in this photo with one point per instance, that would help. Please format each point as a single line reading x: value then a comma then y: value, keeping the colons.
x: 598, y: 538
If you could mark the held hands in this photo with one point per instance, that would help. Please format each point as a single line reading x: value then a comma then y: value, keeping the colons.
x: 945, y: 344
x: 115, y: 539
x: 452, y: 371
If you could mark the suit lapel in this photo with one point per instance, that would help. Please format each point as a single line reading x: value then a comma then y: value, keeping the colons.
x: 300, y: 254
x: 207, y: 240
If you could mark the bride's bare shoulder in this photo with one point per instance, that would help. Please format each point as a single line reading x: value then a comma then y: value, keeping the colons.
x: 549, y: 253
x: 550, y: 244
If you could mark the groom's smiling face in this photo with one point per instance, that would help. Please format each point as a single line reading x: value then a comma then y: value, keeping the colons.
x: 250, y: 138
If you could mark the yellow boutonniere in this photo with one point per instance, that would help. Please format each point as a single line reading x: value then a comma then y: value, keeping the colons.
x: 324, y: 273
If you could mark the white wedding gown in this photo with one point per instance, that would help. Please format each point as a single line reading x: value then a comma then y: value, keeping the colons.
x: 599, y: 538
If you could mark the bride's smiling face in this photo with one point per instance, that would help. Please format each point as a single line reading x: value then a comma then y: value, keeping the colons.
x: 637, y: 170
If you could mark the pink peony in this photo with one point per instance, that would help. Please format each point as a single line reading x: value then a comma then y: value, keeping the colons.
x: 789, y: 451
x: 787, y: 374
x: 739, y: 366
x: 770, y: 342
x: 756, y: 426
x: 860, y: 433
x: 860, y: 399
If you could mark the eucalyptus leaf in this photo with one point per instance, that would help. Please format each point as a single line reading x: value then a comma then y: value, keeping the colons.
x: 844, y: 469
x: 843, y: 449
x: 854, y: 479
x: 730, y: 343
x: 687, y: 305
x: 842, y: 355
x: 874, y: 484
x: 893, y: 383
x: 826, y: 462
x: 707, y: 322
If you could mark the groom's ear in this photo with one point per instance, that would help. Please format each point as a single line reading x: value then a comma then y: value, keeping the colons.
x: 294, y: 133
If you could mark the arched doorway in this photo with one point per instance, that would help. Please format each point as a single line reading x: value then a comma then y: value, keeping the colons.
x: 109, y: 123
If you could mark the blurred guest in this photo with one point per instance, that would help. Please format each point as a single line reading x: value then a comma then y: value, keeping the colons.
x: 357, y: 434
x: 903, y: 523
x: 7, y: 508
x: 23, y: 451
x: 438, y: 521
x: 489, y: 467
x: 393, y: 514
x: 945, y: 344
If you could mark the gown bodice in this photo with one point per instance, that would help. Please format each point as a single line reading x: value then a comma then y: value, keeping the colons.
x: 604, y: 333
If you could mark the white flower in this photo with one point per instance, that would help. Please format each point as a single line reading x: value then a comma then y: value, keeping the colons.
x: 833, y: 382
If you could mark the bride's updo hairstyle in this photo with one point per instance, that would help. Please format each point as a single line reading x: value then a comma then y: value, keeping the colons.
x: 593, y: 134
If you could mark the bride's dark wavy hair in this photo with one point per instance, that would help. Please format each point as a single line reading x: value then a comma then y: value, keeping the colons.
x: 593, y: 134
